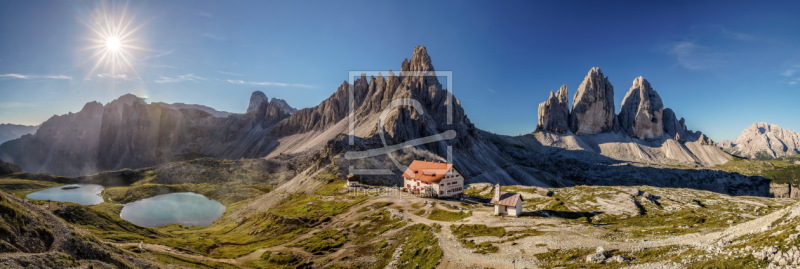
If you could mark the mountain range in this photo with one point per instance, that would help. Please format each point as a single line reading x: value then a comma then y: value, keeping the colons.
x: 764, y: 141
x: 587, y: 144
x: 14, y: 131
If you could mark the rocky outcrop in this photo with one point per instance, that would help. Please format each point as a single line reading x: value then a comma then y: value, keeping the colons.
x: 8, y: 168
x: 593, y: 105
x: 764, y: 141
x: 554, y: 113
x: 396, y: 99
x: 643, y: 131
x: 674, y: 128
x: 267, y: 112
x: 783, y: 190
x: 642, y: 111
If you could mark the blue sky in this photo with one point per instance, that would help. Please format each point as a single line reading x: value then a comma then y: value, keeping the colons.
x: 722, y: 65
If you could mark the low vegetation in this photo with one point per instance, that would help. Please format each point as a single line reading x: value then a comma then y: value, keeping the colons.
x: 420, y: 248
x: 323, y: 241
x: 369, y: 227
x: 22, y: 187
x: 280, y: 260
x: 778, y: 171
x: 445, y: 215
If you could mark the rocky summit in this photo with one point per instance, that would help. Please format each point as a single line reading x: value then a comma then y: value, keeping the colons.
x: 593, y: 105
x: 641, y: 115
x: 554, y: 113
x: 764, y: 141
x: 131, y: 133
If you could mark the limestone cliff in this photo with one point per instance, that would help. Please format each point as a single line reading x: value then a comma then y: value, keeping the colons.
x: 642, y: 111
x: 554, y: 113
x: 593, y: 105
x: 765, y: 141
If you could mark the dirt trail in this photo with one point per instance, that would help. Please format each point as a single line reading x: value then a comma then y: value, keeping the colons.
x: 166, y: 249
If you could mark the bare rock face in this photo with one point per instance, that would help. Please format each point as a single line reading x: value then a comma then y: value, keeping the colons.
x: 267, y: 112
x: 374, y: 96
x: 642, y: 111
x: 765, y: 141
x: 673, y: 127
x: 593, y: 105
x: 257, y: 100
x: 130, y: 133
x: 554, y: 113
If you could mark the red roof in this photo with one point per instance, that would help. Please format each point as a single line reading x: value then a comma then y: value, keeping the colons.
x: 427, y: 171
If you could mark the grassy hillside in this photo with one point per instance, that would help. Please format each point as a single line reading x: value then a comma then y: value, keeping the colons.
x: 779, y: 171
x: 311, y: 221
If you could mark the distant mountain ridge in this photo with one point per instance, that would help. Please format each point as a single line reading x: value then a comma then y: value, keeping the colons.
x: 762, y: 140
x: 13, y: 131
x: 130, y: 133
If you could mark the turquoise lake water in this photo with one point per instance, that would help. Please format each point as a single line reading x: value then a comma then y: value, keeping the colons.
x: 85, y: 194
x: 185, y: 208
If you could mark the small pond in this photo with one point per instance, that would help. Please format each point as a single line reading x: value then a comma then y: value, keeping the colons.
x: 185, y: 208
x: 85, y: 194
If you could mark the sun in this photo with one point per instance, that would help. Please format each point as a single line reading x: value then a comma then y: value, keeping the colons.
x: 113, y: 42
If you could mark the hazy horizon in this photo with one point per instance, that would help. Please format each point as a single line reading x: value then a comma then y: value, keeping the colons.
x: 720, y: 65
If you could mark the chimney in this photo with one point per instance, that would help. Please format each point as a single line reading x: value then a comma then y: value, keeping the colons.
x: 496, y: 192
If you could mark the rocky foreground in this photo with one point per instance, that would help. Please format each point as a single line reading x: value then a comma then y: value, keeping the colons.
x: 308, y: 219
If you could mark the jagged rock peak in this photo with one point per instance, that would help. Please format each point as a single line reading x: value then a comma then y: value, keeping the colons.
x: 763, y: 140
x: 641, y: 115
x: 593, y: 105
x: 128, y: 99
x: 673, y: 127
x: 257, y: 99
x: 420, y: 61
x: 554, y: 113
x: 282, y: 105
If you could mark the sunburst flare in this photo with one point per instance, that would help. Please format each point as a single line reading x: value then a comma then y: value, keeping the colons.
x: 113, y: 42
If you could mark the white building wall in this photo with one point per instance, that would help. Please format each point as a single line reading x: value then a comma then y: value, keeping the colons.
x: 451, y: 184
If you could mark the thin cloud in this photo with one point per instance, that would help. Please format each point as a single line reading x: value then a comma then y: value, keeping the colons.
x: 113, y: 76
x: 268, y: 83
x: 789, y: 72
x: 695, y: 57
x: 21, y: 76
x: 230, y: 73
x: 159, y: 55
x: 181, y: 78
x: 737, y: 35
